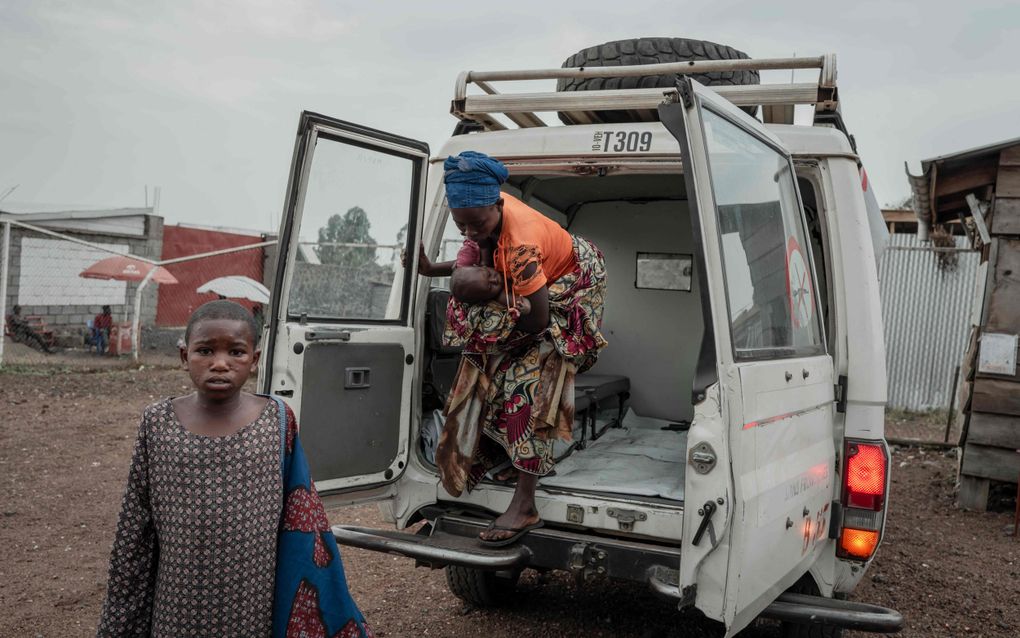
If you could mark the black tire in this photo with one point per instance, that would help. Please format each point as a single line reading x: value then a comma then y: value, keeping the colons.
x: 651, y: 51
x: 479, y: 588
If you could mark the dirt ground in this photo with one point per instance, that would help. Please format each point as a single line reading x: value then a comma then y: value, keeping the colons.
x: 65, y: 441
x: 921, y: 426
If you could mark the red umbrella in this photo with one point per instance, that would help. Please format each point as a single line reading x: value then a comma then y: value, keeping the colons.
x: 127, y: 269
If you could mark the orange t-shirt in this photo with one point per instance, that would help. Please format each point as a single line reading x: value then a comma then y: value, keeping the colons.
x: 528, y: 236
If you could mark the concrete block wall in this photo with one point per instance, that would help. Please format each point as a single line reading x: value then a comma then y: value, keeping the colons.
x: 68, y: 321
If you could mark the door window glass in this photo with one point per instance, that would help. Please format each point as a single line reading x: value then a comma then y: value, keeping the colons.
x: 353, y: 226
x: 769, y: 287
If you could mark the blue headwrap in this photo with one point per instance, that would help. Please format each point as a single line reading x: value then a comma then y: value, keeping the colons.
x: 472, y: 179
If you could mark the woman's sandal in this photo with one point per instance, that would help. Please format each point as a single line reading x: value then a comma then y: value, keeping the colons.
x: 510, y: 540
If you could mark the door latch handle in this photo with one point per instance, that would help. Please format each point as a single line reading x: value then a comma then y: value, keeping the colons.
x: 706, y: 512
x: 357, y: 378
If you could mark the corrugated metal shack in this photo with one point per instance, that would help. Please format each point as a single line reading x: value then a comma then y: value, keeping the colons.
x: 979, y: 190
x: 926, y: 317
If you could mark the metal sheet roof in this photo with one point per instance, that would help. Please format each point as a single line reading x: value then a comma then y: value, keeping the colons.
x: 970, y: 153
x: 920, y: 185
x: 32, y: 217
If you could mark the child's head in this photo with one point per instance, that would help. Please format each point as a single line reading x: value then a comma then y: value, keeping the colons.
x: 106, y: 310
x: 474, y: 284
x: 219, y: 348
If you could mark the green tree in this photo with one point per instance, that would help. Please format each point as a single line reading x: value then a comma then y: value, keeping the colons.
x: 353, y: 227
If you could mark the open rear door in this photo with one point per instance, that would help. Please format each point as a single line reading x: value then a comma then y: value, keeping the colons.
x: 340, y: 344
x: 761, y: 473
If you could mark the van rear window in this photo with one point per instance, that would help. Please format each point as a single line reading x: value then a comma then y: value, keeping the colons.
x: 773, y: 305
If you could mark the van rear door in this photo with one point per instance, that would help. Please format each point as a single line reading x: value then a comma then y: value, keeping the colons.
x: 769, y: 509
x: 341, y: 343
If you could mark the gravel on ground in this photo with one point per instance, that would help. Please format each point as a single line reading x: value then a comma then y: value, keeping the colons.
x: 65, y: 443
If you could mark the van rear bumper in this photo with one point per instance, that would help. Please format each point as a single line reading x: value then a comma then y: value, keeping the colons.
x: 808, y: 610
x: 818, y: 610
x: 452, y: 539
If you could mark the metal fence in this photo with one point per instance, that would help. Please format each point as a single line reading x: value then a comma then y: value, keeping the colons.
x: 926, y: 308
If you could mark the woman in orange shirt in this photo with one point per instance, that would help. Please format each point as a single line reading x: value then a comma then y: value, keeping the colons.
x: 514, y: 389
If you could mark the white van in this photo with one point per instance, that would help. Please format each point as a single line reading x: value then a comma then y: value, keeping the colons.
x: 729, y: 449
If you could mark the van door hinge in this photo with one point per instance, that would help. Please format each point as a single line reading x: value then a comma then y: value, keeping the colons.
x: 686, y: 91
x: 688, y: 595
x: 836, y: 520
x: 840, y: 392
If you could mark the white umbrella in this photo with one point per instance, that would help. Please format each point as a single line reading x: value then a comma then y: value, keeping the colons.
x: 237, y: 287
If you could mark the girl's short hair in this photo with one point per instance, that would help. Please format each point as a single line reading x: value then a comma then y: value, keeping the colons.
x: 221, y: 309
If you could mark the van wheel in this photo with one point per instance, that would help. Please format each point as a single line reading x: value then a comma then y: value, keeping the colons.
x: 480, y: 588
x: 807, y: 585
x: 651, y: 51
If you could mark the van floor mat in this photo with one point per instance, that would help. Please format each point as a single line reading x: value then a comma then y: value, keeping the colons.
x: 635, y: 461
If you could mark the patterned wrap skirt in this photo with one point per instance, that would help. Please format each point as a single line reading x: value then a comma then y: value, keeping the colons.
x: 514, y: 392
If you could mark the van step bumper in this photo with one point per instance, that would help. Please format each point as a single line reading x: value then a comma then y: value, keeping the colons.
x: 805, y: 609
x: 818, y: 610
x: 452, y: 539
x: 436, y: 549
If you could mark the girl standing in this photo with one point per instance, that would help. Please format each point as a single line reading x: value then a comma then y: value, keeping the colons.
x: 221, y: 532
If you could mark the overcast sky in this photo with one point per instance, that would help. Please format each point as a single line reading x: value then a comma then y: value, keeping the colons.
x: 100, y: 99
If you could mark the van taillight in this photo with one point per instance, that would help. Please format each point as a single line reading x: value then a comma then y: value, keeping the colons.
x: 858, y: 543
x: 865, y: 485
x: 865, y: 476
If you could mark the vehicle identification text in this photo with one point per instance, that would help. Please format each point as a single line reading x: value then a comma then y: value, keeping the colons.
x: 621, y: 141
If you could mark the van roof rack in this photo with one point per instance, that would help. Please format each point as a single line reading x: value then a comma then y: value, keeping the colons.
x: 579, y: 107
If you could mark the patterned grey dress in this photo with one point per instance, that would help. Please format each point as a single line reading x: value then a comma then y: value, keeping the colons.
x: 195, y: 551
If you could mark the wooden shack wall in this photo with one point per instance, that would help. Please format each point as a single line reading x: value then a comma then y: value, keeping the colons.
x: 992, y: 445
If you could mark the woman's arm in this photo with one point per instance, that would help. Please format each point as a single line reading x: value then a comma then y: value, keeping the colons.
x: 537, y: 320
x: 427, y: 268
x: 131, y: 586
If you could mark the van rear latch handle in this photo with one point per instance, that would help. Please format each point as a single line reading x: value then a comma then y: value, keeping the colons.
x: 328, y: 335
x: 705, y: 511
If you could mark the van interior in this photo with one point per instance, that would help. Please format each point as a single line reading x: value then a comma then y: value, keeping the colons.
x: 633, y: 408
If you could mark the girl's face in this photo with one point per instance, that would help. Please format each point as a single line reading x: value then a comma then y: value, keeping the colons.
x: 479, y: 223
x: 220, y: 357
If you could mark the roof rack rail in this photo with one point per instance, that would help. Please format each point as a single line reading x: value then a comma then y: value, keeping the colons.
x: 579, y: 107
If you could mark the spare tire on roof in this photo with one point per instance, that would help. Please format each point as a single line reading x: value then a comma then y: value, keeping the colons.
x: 651, y: 51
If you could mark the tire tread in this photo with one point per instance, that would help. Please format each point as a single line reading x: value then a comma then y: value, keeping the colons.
x: 478, y: 588
x: 652, y: 51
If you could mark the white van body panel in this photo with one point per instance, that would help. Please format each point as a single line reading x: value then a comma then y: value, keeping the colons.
x: 772, y: 487
x: 866, y: 392
x: 812, y: 141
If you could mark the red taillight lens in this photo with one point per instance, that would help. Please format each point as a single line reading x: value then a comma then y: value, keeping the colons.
x: 858, y: 543
x: 864, y: 488
x: 865, y: 476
